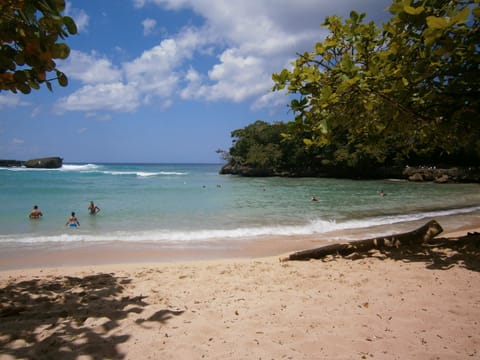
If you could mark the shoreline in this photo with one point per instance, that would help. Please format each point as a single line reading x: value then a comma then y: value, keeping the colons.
x: 45, y: 255
x: 408, y: 307
x: 138, y: 301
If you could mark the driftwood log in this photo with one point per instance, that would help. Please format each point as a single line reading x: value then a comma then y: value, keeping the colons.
x: 416, y: 237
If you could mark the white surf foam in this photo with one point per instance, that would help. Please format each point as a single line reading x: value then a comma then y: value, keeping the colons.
x: 316, y: 226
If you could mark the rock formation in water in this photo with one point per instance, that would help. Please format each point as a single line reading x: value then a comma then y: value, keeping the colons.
x: 44, y: 163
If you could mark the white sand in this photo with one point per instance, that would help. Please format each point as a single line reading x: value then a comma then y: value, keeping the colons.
x: 419, y: 306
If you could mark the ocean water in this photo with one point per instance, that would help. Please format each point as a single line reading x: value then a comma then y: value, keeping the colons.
x: 188, y: 204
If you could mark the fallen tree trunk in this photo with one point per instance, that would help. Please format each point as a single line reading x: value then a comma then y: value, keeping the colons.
x: 415, y: 237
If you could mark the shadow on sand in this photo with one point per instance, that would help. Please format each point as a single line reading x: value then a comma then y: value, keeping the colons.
x: 67, y: 317
x: 442, y: 253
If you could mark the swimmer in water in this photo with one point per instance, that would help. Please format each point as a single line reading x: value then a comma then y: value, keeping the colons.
x: 72, y: 221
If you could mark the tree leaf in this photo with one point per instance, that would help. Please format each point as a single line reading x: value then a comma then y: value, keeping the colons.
x: 24, y: 88
x: 62, y: 79
x: 414, y: 11
x: 476, y: 12
x: 308, y: 142
x: 60, y: 51
x: 435, y: 22
x: 70, y: 24
x: 28, y: 37
x: 461, y: 17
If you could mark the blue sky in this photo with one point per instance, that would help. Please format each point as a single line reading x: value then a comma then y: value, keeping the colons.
x: 166, y: 80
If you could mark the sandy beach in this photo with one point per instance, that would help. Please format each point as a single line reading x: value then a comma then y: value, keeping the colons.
x: 422, y: 305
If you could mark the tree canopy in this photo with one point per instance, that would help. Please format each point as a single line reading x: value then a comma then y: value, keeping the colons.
x: 407, y: 92
x: 367, y: 97
x: 30, y: 35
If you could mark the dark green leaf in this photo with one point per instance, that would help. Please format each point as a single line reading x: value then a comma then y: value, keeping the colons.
x: 62, y: 79
x: 70, y: 24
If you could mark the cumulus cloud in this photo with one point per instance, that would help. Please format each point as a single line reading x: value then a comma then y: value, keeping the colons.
x: 90, y: 68
x: 238, y: 76
x: 12, y: 100
x: 148, y: 26
x: 115, y: 96
x: 194, y: 88
x: 79, y: 16
x: 155, y: 74
x: 102, y: 88
x: 244, y: 41
x: 260, y: 37
x: 99, y: 117
x: 36, y: 111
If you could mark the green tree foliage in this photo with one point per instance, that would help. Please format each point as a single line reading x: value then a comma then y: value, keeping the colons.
x: 268, y: 149
x: 30, y: 31
x: 257, y: 145
x: 407, y: 92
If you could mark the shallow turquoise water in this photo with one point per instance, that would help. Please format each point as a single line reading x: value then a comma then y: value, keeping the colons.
x: 191, y: 202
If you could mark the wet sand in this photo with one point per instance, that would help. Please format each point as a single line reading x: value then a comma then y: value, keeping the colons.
x: 422, y: 305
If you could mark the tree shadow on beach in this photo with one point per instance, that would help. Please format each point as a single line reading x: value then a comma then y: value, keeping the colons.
x: 66, y: 317
x: 440, y: 253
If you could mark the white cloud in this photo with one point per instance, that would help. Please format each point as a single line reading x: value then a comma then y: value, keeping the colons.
x: 12, y: 100
x: 79, y: 16
x: 89, y: 68
x: 148, y: 76
x: 139, y: 3
x: 103, y: 87
x: 18, y: 141
x: 238, y: 77
x: 99, y: 117
x: 157, y: 72
x: 153, y: 72
x: 261, y: 38
x: 115, y: 96
x: 36, y: 111
x: 244, y: 42
x: 148, y: 26
x: 194, y: 88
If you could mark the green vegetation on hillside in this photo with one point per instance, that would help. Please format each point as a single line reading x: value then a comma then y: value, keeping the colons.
x: 366, y: 97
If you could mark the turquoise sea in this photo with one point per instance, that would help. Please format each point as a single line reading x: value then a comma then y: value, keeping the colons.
x: 190, y: 204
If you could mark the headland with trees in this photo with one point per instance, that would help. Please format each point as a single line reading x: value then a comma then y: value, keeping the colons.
x: 371, y: 101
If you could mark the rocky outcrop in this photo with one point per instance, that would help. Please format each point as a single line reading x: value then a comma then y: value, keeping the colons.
x: 10, y: 163
x: 445, y: 175
x: 417, y: 173
x: 245, y: 171
x: 44, y: 163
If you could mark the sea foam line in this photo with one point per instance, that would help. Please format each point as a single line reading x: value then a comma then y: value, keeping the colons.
x: 75, y: 167
x: 65, y: 167
x: 93, y: 168
x: 317, y: 226
x: 144, y: 173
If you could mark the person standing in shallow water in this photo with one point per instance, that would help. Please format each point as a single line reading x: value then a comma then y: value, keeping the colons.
x: 35, y: 213
x: 92, y: 208
x: 72, y: 221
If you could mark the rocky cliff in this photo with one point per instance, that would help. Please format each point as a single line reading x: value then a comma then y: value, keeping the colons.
x: 44, y: 163
x: 54, y: 162
x: 10, y: 163
x: 417, y: 173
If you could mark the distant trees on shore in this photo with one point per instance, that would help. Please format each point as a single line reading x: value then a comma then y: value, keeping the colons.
x: 406, y: 93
